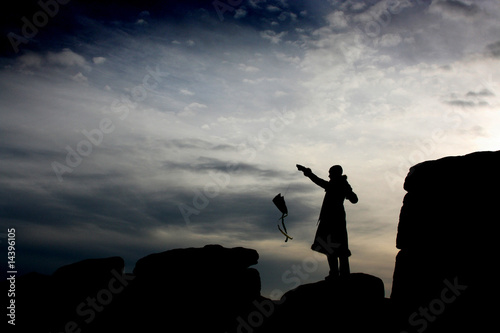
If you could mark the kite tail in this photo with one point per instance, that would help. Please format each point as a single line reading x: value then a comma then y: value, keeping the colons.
x: 285, y: 232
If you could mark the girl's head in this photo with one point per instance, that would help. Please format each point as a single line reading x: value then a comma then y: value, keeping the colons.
x: 335, y: 171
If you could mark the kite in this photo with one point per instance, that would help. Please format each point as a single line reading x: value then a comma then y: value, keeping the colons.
x: 279, y: 201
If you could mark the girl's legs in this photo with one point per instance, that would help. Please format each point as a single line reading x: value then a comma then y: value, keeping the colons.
x: 344, y: 266
x: 334, y: 266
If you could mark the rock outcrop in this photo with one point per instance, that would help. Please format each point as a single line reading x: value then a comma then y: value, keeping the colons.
x: 189, y: 290
x: 196, y: 289
x: 355, y: 303
x: 443, y: 278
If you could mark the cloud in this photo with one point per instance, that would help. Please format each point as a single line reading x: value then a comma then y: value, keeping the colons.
x: 191, y: 109
x: 482, y: 93
x: 247, y: 68
x: 255, y: 3
x: 288, y: 58
x: 207, y: 164
x: 273, y: 37
x: 30, y: 60
x: 472, y: 99
x: 273, y: 8
x: 493, y: 49
x: 461, y: 103
x: 261, y: 80
x: 337, y: 20
x: 454, y: 9
x: 194, y: 106
x: 390, y: 40
x: 194, y: 143
x: 240, y: 13
x: 98, y: 60
x: 186, y: 92
x: 66, y: 58
x: 80, y: 78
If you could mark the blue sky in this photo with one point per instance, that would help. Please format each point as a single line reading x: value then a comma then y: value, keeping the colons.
x: 140, y: 126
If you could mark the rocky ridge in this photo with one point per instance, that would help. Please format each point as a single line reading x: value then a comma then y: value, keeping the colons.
x: 443, y: 279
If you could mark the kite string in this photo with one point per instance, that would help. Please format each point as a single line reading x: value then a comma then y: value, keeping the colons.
x: 286, y: 191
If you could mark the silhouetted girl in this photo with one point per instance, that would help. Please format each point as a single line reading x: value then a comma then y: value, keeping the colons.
x: 331, y: 236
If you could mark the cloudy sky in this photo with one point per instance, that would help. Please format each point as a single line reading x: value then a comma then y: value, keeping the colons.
x: 133, y: 127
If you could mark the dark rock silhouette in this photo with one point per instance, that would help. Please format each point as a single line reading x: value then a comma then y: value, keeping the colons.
x: 66, y: 299
x: 196, y: 289
x: 201, y: 289
x: 443, y: 279
x: 354, y: 303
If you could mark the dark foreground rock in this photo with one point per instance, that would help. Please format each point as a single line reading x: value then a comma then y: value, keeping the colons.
x: 186, y: 290
x: 444, y: 279
x: 197, y: 289
x: 209, y: 289
x: 355, y: 303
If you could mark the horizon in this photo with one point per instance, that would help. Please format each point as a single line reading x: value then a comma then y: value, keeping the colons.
x: 136, y: 127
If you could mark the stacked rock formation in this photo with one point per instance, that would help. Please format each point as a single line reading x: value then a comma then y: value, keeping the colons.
x: 443, y: 275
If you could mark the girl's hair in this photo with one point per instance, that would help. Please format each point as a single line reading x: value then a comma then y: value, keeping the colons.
x: 336, y: 170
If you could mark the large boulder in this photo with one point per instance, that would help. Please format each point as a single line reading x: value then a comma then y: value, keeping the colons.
x: 195, y: 289
x: 354, y: 303
x: 443, y: 274
x: 211, y: 259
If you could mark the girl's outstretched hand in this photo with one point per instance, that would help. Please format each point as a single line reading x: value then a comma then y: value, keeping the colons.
x: 305, y: 170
